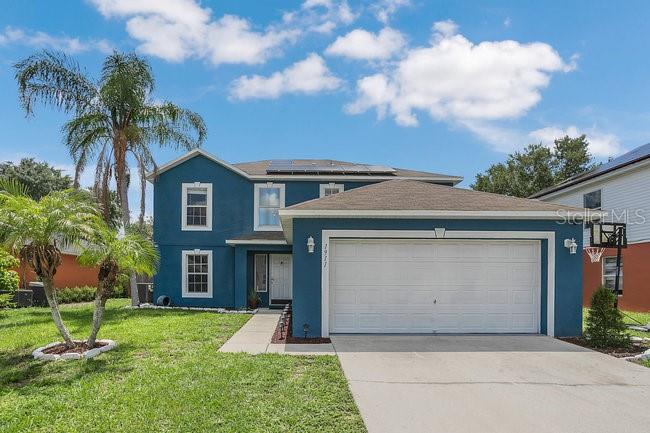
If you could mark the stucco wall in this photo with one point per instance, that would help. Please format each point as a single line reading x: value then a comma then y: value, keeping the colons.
x: 232, y: 216
x: 568, y: 268
x: 69, y: 274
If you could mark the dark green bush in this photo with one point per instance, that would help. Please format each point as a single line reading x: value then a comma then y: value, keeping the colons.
x: 70, y: 295
x: 8, y: 278
x: 605, y: 327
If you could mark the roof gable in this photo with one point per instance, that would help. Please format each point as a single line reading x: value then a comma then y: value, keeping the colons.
x: 189, y: 155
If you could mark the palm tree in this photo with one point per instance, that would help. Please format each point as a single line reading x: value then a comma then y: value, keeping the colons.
x: 116, y: 256
x: 36, y: 230
x: 113, y: 118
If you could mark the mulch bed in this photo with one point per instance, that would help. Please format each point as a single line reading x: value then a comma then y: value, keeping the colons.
x: 60, y: 349
x: 618, y: 352
x: 287, y: 338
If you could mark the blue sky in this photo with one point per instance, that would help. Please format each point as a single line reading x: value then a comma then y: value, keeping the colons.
x: 428, y: 85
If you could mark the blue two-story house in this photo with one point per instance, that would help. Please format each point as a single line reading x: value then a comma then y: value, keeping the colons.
x: 363, y: 248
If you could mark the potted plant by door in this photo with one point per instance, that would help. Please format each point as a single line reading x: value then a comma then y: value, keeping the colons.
x: 253, y: 300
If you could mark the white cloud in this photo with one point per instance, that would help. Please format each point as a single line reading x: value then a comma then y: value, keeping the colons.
x: 360, y: 44
x: 456, y: 80
x: 179, y: 29
x: 321, y: 16
x: 385, y: 9
x: 500, y: 139
x: 504, y: 139
x: 600, y: 144
x: 445, y: 29
x: 38, y: 39
x: 308, y: 76
x: 308, y: 4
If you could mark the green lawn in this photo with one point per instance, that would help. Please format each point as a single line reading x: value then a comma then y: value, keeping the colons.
x: 165, y: 376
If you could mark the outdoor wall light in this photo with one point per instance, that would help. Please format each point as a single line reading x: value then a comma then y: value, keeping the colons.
x: 571, y: 245
x: 310, y: 244
x: 305, y: 329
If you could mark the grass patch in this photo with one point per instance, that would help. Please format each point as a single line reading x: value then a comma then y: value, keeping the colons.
x: 165, y: 376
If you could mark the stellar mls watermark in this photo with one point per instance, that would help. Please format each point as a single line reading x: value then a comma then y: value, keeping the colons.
x: 628, y: 216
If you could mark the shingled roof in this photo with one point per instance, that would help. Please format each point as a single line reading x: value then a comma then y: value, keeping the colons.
x: 409, y: 195
x: 259, y: 168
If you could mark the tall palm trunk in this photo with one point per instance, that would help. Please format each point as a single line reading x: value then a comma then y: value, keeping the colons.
x: 143, y: 192
x: 78, y: 170
x: 50, y: 294
x: 119, y: 149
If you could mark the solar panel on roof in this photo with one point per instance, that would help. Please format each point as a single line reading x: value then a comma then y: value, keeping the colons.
x: 289, y: 167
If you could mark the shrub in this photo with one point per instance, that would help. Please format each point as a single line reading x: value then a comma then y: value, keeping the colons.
x: 8, y: 278
x: 605, y: 326
x: 70, y: 295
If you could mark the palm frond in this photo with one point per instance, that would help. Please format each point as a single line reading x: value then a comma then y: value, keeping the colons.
x: 53, y: 79
x: 170, y: 125
x: 13, y: 187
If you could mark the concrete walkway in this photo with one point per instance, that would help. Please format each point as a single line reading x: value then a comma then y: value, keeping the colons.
x: 256, y: 335
x: 491, y: 384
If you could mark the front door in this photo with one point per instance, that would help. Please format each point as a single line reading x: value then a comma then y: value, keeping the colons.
x: 281, y: 277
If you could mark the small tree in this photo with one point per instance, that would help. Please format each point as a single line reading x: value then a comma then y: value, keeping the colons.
x: 117, y: 256
x: 36, y: 230
x: 605, y: 326
x: 8, y: 278
x: 536, y: 167
x: 39, y: 178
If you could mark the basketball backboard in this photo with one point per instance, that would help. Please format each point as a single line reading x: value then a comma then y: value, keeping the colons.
x: 606, y: 235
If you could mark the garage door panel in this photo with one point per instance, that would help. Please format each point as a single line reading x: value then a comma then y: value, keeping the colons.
x: 497, y: 297
x: 478, y: 286
x: 523, y: 297
x: 497, y: 322
x: 523, y: 321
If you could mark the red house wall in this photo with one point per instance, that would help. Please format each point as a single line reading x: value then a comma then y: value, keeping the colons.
x: 68, y: 274
x: 636, y: 277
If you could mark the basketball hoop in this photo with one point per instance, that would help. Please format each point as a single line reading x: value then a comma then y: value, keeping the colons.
x: 595, y: 253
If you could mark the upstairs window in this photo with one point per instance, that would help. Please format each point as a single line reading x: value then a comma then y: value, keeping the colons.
x: 592, y: 200
x: 269, y: 199
x: 197, y: 274
x: 197, y: 206
x: 330, y: 189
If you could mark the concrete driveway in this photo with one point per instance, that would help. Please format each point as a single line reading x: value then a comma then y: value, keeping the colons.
x: 498, y: 384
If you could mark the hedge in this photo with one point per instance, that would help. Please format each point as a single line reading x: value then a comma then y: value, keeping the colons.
x: 69, y: 295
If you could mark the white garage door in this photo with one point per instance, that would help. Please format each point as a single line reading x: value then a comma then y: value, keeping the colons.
x: 425, y: 286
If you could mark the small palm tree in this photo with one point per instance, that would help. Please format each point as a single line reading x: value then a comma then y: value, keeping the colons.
x: 113, y: 118
x: 116, y: 256
x: 36, y: 230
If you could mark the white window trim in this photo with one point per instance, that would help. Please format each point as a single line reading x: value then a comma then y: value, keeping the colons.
x: 328, y: 235
x: 187, y: 294
x: 256, y: 200
x: 324, y: 186
x: 602, y: 273
x: 208, y: 212
x: 266, y: 289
